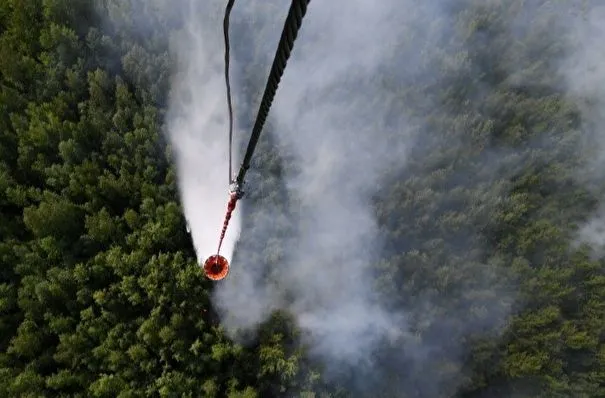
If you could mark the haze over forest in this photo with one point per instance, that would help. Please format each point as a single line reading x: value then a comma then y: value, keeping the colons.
x: 424, y: 217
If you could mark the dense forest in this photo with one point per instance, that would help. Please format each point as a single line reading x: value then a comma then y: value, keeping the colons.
x: 101, y: 292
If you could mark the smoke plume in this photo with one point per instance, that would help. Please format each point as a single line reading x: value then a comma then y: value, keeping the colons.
x: 336, y: 128
x: 583, y: 71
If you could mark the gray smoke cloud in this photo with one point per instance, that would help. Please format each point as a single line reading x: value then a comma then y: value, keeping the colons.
x: 335, y: 128
x: 583, y: 71
x: 325, y: 116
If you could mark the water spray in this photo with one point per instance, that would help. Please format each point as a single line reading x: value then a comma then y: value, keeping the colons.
x: 216, y: 267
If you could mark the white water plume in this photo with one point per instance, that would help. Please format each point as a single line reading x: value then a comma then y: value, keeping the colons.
x: 198, y: 127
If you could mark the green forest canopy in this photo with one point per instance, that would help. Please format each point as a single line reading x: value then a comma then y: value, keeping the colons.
x: 101, y: 294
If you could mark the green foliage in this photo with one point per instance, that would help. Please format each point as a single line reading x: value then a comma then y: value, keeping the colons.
x: 100, y: 293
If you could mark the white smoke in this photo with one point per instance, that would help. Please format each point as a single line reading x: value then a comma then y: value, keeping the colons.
x: 584, y: 79
x: 198, y: 127
x: 329, y: 118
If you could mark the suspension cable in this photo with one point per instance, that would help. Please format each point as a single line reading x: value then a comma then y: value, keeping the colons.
x: 297, y: 11
x: 227, y: 82
x: 298, y: 8
x: 216, y: 267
